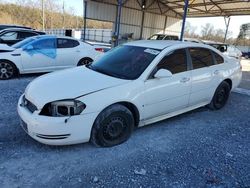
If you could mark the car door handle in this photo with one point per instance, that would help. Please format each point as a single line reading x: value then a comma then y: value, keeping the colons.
x: 216, y: 72
x: 184, y: 80
x: 78, y: 51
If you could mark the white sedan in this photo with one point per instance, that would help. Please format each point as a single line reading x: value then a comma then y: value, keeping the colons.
x: 44, y: 54
x: 133, y: 85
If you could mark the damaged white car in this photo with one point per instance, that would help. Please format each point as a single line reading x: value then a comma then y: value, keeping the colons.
x: 130, y: 86
x: 44, y: 54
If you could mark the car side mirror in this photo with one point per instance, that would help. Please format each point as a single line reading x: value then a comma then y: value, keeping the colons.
x: 29, y: 48
x: 163, y: 73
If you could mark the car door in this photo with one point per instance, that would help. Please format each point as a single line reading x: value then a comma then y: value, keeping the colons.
x: 166, y: 95
x: 218, y: 69
x: 9, y: 37
x: 40, y: 55
x: 67, y: 52
x: 203, y: 82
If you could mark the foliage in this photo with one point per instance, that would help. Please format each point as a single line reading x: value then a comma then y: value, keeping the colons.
x: 208, y: 32
x: 29, y: 13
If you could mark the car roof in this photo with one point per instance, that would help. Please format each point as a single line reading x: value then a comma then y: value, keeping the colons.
x: 13, y: 26
x: 161, y: 44
x: 52, y: 36
x: 19, y: 29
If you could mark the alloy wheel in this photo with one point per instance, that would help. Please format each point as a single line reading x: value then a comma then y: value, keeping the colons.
x: 6, y: 70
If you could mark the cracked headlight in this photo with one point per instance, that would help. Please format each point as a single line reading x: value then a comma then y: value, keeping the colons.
x: 63, y: 108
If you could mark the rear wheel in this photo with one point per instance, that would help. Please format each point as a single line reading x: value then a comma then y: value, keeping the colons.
x: 113, y: 126
x: 7, y: 70
x: 220, y: 96
x: 84, y: 61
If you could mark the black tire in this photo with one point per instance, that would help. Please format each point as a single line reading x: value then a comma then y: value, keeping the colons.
x: 113, y: 126
x: 7, y: 70
x: 220, y: 96
x: 84, y: 61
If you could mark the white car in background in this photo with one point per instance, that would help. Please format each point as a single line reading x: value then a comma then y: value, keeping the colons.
x: 226, y: 49
x: 44, y: 54
x: 233, y: 51
x: 133, y: 85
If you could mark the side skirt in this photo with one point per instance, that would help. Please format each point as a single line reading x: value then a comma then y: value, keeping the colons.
x: 169, y: 115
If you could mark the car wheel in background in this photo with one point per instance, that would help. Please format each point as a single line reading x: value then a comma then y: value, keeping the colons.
x: 113, y: 126
x: 7, y: 70
x: 220, y: 96
x: 84, y: 61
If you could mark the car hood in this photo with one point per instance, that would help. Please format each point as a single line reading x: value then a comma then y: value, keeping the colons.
x: 68, y: 84
x: 6, y: 48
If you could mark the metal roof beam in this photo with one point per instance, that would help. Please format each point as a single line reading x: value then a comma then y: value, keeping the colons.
x: 218, y: 7
x: 202, y: 4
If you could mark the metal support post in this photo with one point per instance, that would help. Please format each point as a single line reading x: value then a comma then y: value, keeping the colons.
x: 85, y: 3
x: 184, y: 19
x: 117, y: 22
x: 227, y: 22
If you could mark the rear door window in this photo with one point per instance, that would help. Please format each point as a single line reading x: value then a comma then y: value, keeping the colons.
x: 175, y: 62
x: 201, y: 57
x: 66, y: 43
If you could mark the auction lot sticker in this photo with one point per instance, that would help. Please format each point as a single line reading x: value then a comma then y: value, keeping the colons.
x: 151, y: 51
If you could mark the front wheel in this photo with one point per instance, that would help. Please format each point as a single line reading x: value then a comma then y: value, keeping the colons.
x: 113, y: 126
x: 7, y: 70
x: 220, y: 96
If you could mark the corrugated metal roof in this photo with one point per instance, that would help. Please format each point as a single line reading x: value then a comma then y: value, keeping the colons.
x: 197, y: 8
x: 208, y: 8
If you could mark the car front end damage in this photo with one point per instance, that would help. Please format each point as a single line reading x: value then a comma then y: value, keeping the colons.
x: 55, y: 129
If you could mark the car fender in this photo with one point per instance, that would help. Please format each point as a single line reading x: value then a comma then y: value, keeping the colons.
x: 14, y: 57
x: 131, y: 92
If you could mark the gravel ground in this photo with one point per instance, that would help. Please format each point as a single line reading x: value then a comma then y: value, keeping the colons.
x: 201, y: 148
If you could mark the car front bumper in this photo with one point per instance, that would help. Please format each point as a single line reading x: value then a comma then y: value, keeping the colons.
x: 55, y: 130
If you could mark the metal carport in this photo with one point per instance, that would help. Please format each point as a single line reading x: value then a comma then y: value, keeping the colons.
x: 146, y: 16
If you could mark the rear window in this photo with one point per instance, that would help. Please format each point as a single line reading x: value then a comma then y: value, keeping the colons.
x: 171, y: 37
x: 218, y: 58
x: 23, y: 35
x: 201, y: 57
x: 157, y: 37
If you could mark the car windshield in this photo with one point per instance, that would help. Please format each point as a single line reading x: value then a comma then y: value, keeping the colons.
x: 125, y: 62
x: 23, y: 43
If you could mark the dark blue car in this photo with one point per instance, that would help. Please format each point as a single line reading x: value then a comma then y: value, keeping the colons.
x: 246, y: 54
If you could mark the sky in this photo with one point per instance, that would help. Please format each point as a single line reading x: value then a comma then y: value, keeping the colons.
x: 218, y: 22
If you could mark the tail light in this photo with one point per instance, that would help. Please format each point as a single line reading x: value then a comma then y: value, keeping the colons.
x: 99, y: 49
